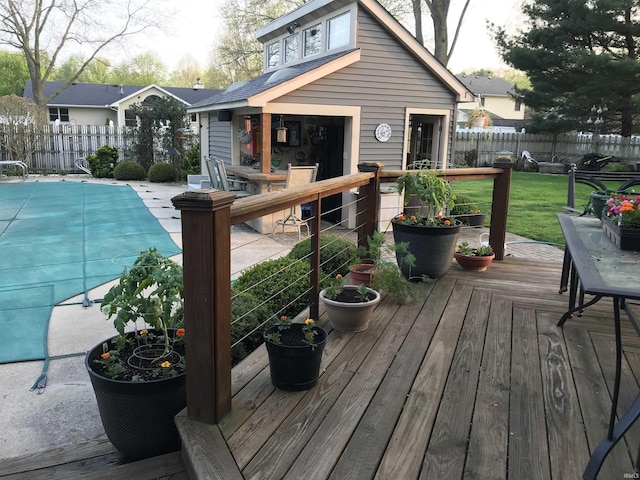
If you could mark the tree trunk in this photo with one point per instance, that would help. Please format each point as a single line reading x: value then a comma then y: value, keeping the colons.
x: 439, y: 11
x: 417, y: 15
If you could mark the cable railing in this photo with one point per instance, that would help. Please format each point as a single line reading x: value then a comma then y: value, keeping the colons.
x: 207, y: 217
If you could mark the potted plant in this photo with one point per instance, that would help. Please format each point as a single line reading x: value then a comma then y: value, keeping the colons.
x: 477, y: 259
x: 430, y: 235
x: 295, y: 353
x: 477, y: 118
x: 138, y: 376
x: 382, y: 274
x: 349, y: 307
x: 467, y: 212
x: 621, y: 220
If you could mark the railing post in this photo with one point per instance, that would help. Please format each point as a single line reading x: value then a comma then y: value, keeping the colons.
x: 368, y: 211
x: 500, y: 207
x: 206, y: 256
x: 315, y: 221
x: 571, y: 191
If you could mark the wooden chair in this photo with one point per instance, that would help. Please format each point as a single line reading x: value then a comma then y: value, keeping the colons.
x: 296, y: 176
x: 220, y: 181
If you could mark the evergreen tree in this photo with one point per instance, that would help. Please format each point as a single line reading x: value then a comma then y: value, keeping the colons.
x: 578, y: 54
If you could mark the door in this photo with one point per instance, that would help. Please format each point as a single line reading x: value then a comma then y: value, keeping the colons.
x: 330, y: 154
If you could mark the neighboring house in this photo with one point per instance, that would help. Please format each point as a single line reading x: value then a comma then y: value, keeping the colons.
x: 104, y: 104
x: 496, y: 96
x: 348, y: 83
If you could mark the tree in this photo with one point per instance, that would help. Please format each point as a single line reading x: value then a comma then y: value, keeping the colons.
x: 19, y: 120
x: 43, y: 30
x: 186, y: 74
x: 578, y: 54
x: 13, y: 73
x: 439, y: 10
x: 96, y: 71
x: 144, y: 69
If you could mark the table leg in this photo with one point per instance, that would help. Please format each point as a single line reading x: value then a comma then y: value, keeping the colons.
x: 566, y: 268
x: 571, y: 311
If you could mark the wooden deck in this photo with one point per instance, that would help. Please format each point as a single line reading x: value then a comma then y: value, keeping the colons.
x: 473, y: 380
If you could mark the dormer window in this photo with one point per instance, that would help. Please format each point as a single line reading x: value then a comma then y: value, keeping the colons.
x: 312, y: 38
x: 291, y: 50
x: 273, y: 54
x: 338, y: 31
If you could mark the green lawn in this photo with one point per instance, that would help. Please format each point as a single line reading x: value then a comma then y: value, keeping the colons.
x: 534, y: 203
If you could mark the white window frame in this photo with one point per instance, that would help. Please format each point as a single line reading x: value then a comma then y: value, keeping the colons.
x: 349, y: 33
x: 267, y: 55
x: 318, y: 42
x: 293, y: 37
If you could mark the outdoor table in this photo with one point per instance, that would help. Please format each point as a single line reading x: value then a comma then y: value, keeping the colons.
x: 601, y: 269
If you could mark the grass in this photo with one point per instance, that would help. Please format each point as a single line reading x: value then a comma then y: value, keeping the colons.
x: 534, y: 202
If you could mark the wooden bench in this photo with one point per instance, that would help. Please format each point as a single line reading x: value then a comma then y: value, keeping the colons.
x: 16, y: 163
x: 597, y: 181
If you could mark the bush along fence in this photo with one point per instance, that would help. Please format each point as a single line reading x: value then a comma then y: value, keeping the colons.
x: 474, y: 149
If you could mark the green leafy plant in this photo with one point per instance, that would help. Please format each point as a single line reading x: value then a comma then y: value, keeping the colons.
x: 336, y: 253
x: 129, y: 170
x: 308, y: 332
x: 161, y: 173
x: 465, y: 249
x: 426, y: 187
x: 103, y: 162
x: 464, y: 206
x: 151, y: 292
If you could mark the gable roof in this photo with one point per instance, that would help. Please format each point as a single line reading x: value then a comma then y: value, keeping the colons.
x: 103, y: 95
x: 493, y: 86
x: 257, y: 89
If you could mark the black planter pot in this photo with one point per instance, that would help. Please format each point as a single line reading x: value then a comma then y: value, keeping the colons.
x: 433, y: 248
x: 138, y: 417
x: 295, y: 367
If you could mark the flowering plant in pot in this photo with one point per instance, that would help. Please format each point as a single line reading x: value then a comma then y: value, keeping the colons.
x: 466, y: 210
x: 621, y: 220
x: 295, y: 353
x: 477, y: 259
x: 431, y: 236
x: 349, y: 307
x: 138, y: 376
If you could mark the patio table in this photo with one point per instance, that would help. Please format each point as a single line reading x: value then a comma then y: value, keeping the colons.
x: 595, y: 265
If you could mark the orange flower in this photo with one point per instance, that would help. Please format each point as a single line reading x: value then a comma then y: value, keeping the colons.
x: 447, y: 222
x: 144, y: 331
x: 338, y: 276
x: 413, y: 218
x: 165, y: 364
x: 308, y: 321
x: 106, y: 355
x: 440, y: 216
x: 180, y: 332
x: 626, y: 207
x: 401, y: 217
x: 283, y: 318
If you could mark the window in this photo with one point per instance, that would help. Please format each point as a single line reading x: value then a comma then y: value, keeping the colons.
x: 58, y: 113
x: 338, y: 31
x: 291, y: 49
x: 194, y: 117
x: 273, y: 54
x: 518, y: 105
x: 481, y: 102
x: 130, y: 119
x: 312, y: 38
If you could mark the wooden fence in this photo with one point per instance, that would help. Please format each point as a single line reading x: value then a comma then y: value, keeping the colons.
x: 480, y: 149
x: 53, y: 148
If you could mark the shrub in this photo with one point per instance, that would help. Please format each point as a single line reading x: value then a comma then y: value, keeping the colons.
x: 247, y: 314
x: 336, y: 254
x: 129, y: 171
x: 281, y: 284
x: 614, y: 167
x: 191, y: 162
x: 464, y: 205
x: 103, y: 162
x: 161, y: 173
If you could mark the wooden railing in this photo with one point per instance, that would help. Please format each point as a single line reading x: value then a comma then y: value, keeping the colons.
x: 207, y: 217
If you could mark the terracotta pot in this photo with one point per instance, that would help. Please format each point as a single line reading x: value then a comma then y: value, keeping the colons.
x: 474, y: 262
x: 348, y: 316
x: 361, y: 274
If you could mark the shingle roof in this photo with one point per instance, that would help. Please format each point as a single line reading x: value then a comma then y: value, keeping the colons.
x: 238, y: 92
x: 100, y: 95
x: 487, y: 85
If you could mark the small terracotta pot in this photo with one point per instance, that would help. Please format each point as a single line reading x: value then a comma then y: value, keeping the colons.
x: 473, y: 262
x: 361, y: 274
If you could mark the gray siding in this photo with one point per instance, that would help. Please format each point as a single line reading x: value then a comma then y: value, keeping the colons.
x: 385, y: 81
x: 220, y: 135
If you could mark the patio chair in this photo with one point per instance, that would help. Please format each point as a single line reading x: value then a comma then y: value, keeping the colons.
x: 296, y: 176
x: 220, y: 181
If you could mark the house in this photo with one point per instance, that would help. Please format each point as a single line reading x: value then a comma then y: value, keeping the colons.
x: 104, y: 104
x: 496, y: 96
x: 343, y: 83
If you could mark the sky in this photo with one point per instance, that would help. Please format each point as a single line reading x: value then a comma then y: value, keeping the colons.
x: 198, y: 24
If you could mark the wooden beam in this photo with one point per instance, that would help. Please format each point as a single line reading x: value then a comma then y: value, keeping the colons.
x: 500, y: 208
x: 265, y: 151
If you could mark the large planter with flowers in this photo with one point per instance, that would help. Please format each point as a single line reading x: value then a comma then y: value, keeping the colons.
x: 295, y: 354
x: 621, y: 220
x: 139, y: 376
x: 430, y: 237
x: 138, y: 416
